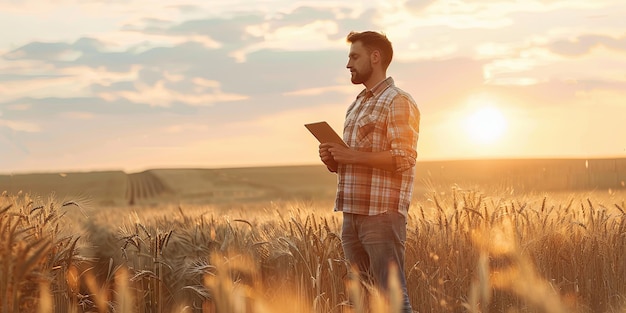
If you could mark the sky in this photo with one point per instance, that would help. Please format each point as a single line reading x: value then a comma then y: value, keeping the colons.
x: 135, y: 84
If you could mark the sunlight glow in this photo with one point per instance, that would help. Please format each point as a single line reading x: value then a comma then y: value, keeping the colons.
x: 486, y: 125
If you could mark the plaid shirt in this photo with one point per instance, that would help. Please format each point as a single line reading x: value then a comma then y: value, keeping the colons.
x: 385, y: 118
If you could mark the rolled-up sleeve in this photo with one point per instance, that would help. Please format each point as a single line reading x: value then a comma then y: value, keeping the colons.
x: 403, y: 124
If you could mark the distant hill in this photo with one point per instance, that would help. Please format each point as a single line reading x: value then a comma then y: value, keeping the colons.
x: 104, y: 187
x: 531, y: 174
x: 206, y: 186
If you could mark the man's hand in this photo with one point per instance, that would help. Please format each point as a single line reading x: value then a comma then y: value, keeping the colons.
x: 327, y: 157
x: 338, y: 154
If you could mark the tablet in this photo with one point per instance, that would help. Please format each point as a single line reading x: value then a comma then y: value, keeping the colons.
x: 324, y: 133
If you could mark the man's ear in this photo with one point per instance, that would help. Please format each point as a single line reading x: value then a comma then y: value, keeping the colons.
x: 375, y: 57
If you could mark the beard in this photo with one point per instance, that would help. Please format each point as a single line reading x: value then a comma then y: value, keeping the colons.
x: 360, y: 77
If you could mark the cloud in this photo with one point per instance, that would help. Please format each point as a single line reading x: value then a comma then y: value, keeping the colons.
x: 55, y: 51
x: 187, y: 8
x: 418, y: 5
x: 159, y: 95
x: 84, y: 51
x: 168, y: 76
x: 12, y: 77
x: 366, y: 20
x: 189, y: 74
x: 302, y: 15
x: 241, y: 31
x: 51, y: 107
x: 585, y: 43
x: 231, y: 33
x: 135, y: 72
x: 42, y: 51
x: 20, y: 126
x: 78, y: 115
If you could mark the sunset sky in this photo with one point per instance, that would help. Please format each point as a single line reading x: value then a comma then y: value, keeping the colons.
x: 135, y: 84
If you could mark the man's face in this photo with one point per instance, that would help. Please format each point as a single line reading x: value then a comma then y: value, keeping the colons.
x: 359, y: 63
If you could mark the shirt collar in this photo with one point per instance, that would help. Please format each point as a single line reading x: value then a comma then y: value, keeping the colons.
x: 378, y: 88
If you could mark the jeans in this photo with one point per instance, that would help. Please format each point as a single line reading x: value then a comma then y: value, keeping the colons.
x: 372, y: 243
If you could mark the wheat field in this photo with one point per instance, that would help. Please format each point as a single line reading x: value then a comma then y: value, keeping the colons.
x: 276, y: 248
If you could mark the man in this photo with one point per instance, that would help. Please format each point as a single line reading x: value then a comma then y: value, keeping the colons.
x: 375, y: 174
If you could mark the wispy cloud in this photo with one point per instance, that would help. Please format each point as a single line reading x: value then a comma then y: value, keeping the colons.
x: 585, y: 43
x: 20, y: 126
x: 160, y: 95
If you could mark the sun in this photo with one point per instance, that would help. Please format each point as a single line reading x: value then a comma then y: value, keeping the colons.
x: 486, y: 125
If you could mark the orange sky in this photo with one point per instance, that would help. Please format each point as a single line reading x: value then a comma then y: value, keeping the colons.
x: 99, y: 85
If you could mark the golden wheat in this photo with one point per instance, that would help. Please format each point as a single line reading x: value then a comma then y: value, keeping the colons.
x: 467, y: 251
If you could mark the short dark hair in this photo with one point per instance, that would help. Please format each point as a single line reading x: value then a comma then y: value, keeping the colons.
x: 374, y: 41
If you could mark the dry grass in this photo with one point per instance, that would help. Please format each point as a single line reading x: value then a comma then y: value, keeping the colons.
x: 467, y: 251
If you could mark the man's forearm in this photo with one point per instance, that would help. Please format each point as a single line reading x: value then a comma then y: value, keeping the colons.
x: 383, y: 160
x: 342, y: 155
